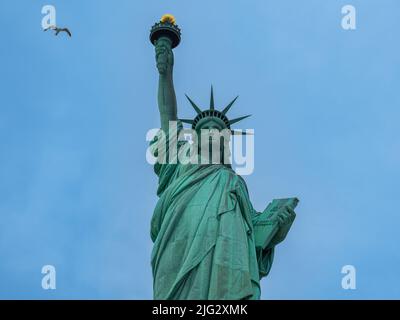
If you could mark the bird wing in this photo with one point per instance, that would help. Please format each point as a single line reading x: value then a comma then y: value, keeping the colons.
x: 67, y: 31
x: 64, y: 30
x: 50, y: 27
x: 58, y: 30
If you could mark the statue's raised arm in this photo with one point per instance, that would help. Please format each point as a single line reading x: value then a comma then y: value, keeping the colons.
x: 166, y: 92
x: 165, y: 36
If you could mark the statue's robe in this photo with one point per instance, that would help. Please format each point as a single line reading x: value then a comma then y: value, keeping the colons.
x: 202, y: 229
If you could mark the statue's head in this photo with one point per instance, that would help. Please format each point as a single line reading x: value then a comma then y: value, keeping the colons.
x: 214, y: 138
x: 212, y: 126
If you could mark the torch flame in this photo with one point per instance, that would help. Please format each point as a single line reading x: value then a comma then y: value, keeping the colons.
x: 168, y: 18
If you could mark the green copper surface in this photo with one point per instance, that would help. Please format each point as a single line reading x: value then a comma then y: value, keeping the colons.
x: 209, y: 241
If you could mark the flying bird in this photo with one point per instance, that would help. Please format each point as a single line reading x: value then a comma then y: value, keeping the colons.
x: 58, y: 30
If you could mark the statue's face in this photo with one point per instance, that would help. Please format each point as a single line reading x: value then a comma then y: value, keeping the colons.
x: 216, y: 141
x: 164, y: 55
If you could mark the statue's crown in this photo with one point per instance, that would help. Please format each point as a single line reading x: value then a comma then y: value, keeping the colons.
x: 210, y: 114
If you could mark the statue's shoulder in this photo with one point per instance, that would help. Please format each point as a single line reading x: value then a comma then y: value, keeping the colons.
x: 234, y: 178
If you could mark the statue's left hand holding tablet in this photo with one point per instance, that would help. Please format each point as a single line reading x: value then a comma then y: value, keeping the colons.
x: 285, y: 220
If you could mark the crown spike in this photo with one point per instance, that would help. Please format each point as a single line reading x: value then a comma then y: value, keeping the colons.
x: 195, y: 107
x: 212, y: 107
x: 238, y: 119
x: 224, y: 112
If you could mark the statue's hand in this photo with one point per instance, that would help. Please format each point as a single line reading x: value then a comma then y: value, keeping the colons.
x: 164, y: 56
x: 285, y: 220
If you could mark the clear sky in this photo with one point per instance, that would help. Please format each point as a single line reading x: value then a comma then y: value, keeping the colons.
x: 76, y: 191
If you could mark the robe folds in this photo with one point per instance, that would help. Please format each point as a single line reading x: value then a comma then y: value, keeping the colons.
x: 202, y: 229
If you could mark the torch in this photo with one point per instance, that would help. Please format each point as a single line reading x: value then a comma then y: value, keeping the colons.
x: 166, y: 28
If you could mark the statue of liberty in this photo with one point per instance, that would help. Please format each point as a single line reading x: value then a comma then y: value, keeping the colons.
x: 209, y: 241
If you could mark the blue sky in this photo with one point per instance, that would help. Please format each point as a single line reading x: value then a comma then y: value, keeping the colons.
x: 76, y: 191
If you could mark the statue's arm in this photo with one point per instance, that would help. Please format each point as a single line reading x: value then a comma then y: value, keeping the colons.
x: 166, y: 93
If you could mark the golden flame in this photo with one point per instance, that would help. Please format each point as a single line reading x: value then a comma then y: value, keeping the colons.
x: 168, y: 18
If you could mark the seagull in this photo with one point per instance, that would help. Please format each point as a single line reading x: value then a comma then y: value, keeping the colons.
x: 58, y: 30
